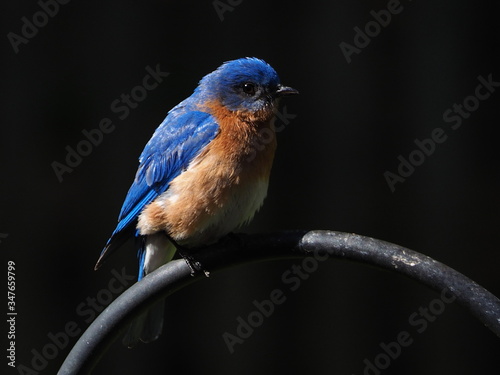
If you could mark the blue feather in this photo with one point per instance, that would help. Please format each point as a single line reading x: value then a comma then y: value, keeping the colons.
x: 141, y: 255
x: 177, y: 141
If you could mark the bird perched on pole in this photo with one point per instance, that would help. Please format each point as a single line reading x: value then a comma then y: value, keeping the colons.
x: 204, y: 172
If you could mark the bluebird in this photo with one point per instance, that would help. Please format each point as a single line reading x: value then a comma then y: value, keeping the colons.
x: 204, y: 173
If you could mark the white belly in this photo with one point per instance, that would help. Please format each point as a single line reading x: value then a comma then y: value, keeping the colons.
x: 199, y: 208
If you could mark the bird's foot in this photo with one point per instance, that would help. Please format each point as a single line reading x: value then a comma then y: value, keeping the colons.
x: 185, y: 253
x: 195, y: 266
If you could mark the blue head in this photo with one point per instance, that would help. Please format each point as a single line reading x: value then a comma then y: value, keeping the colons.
x: 246, y: 85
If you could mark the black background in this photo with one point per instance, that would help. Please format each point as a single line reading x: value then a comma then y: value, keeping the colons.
x: 352, y: 122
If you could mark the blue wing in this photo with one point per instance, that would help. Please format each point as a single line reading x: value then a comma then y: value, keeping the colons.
x: 176, y: 142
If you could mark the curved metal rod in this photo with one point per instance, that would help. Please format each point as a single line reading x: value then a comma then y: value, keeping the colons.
x: 260, y: 247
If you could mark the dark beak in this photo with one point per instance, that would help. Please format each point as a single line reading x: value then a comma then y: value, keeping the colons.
x: 285, y: 90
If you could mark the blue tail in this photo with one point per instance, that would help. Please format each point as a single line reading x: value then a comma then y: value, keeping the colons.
x: 156, y: 250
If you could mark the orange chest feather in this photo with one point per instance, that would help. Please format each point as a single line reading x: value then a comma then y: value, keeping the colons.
x: 223, y: 186
x: 245, y: 144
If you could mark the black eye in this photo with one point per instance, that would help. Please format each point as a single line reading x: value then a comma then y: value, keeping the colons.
x: 248, y: 88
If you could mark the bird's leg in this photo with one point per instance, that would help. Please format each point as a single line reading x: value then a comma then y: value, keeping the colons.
x: 184, y: 252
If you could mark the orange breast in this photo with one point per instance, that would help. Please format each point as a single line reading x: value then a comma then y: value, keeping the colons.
x: 222, y: 188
